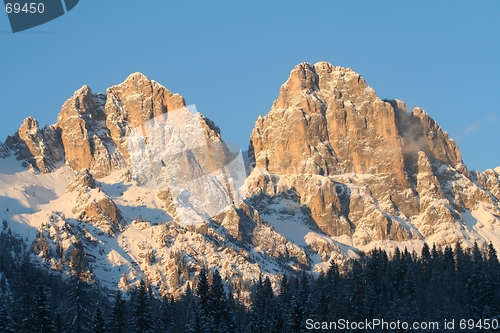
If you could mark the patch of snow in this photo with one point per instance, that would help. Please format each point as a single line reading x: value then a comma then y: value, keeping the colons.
x: 482, y: 225
x: 293, y: 230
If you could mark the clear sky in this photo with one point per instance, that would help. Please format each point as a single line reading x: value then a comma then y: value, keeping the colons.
x: 230, y: 58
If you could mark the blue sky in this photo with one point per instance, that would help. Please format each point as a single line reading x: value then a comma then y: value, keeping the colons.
x: 230, y: 58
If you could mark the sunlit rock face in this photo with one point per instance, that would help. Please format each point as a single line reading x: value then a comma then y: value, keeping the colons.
x: 94, y: 128
x: 362, y: 166
x: 41, y: 149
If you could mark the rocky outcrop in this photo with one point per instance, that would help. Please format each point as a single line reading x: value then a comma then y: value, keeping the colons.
x: 83, y: 180
x: 4, y: 150
x: 92, y: 205
x: 86, y: 140
x: 239, y: 221
x: 39, y: 148
x: 98, y: 209
x: 421, y: 133
x: 489, y: 179
x: 334, y: 124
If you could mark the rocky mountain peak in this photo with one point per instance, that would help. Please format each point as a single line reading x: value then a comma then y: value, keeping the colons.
x: 307, y: 78
x: 385, y: 173
x: 38, y: 148
x: 29, y: 127
x: 335, y: 124
x: 133, y: 103
x: 139, y: 99
x: 83, y: 104
x: 92, y: 129
x: 137, y: 76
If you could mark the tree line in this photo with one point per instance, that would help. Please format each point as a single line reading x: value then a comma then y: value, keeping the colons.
x: 433, y: 285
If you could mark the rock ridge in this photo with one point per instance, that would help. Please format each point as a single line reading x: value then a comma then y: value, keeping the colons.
x: 92, y: 129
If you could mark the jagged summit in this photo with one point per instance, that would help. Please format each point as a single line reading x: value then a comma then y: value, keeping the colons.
x: 333, y: 110
x: 84, y: 90
x: 91, y: 129
x: 136, y: 76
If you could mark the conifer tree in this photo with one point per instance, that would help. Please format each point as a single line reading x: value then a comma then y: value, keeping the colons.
x: 79, y: 294
x: 99, y: 325
x: 425, y: 260
x: 278, y: 324
x: 410, y: 309
x: 477, y: 256
x: 6, y: 322
x: 473, y: 290
x: 142, y: 313
x: 297, y: 319
x: 256, y: 324
x: 459, y: 257
x: 357, y: 291
x: 203, y: 294
x: 493, y: 265
x: 284, y: 291
x: 25, y: 308
x: 58, y: 322
x: 191, y: 307
x: 203, y: 288
x: 218, y: 309
x: 43, y: 318
x: 118, y: 316
x: 233, y: 310
x: 167, y: 313
x: 80, y: 303
x: 494, y: 278
x: 194, y: 324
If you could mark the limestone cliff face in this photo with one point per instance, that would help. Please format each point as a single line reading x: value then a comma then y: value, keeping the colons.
x: 336, y: 125
x: 421, y: 133
x: 363, y: 167
x: 94, y: 128
x: 86, y: 141
x: 133, y: 103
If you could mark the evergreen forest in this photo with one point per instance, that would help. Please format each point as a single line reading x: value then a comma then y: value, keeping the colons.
x: 437, y: 284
